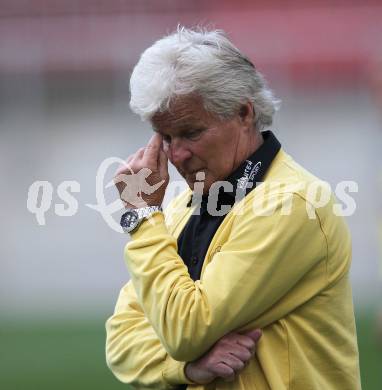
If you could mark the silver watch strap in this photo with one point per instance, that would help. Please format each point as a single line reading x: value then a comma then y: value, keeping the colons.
x: 145, y: 212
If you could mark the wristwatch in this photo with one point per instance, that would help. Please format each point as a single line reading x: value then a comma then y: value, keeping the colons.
x: 132, y: 218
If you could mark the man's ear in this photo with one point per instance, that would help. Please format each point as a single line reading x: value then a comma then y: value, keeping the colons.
x: 247, y: 115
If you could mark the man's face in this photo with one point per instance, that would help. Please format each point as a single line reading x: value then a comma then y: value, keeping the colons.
x: 196, y: 141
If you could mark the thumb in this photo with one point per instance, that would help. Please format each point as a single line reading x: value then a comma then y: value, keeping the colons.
x: 254, y: 334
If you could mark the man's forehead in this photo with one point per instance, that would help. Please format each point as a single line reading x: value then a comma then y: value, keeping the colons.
x: 181, y: 114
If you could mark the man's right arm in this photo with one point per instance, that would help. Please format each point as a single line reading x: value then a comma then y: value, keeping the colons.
x: 133, y: 351
x: 136, y: 356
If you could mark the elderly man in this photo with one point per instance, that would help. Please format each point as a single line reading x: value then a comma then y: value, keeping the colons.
x: 243, y: 249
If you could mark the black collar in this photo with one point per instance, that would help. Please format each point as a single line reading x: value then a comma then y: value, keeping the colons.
x: 250, y: 171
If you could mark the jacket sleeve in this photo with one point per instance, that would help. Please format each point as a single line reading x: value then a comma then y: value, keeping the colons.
x: 265, y: 260
x: 133, y: 351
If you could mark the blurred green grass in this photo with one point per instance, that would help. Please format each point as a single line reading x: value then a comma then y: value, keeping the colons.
x: 70, y: 355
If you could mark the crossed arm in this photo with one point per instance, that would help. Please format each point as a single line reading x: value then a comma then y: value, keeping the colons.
x: 136, y: 356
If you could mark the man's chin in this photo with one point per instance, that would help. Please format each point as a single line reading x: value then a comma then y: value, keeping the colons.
x: 200, y: 186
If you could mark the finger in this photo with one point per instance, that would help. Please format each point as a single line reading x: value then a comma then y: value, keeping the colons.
x: 138, y: 156
x: 124, y: 167
x: 163, y: 164
x: 140, y: 152
x: 233, y: 362
x: 223, y: 371
x: 229, y: 378
x: 245, y: 341
x: 242, y: 353
x: 250, y: 339
x: 152, y: 149
x: 254, y: 334
x: 165, y: 147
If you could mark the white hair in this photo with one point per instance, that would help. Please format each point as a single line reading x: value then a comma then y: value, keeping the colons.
x: 201, y: 62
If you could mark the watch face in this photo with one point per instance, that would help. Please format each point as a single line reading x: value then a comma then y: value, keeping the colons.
x: 129, y: 220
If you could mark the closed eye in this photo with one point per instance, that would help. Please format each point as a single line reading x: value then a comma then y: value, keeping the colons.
x: 193, y: 134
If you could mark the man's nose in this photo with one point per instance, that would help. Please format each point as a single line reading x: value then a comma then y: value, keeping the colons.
x: 178, y: 152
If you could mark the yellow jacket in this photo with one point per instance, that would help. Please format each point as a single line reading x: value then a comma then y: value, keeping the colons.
x: 286, y: 274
